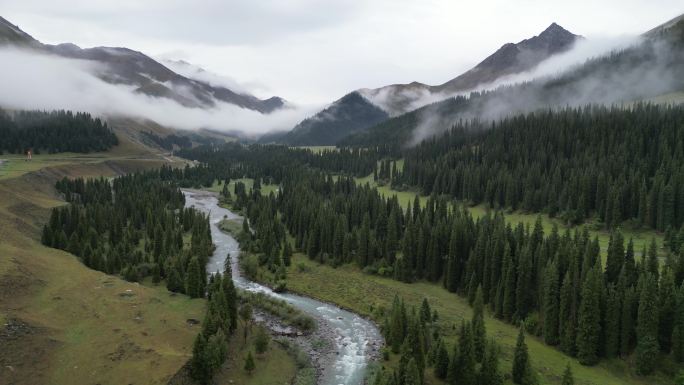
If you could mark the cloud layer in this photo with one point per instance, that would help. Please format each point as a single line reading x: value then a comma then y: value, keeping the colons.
x: 35, y: 81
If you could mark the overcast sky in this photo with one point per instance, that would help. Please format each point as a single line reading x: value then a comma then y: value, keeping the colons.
x: 310, y: 51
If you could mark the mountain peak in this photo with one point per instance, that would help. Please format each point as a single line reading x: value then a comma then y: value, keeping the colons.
x: 554, y: 28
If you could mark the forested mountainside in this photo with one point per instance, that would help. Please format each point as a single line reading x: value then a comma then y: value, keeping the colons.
x: 613, y: 163
x: 51, y: 132
x: 647, y: 69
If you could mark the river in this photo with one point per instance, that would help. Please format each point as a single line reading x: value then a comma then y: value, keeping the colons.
x: 354, y: 336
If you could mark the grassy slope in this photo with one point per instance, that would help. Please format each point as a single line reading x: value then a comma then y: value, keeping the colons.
x: 350, y: 288
x: 79, y: 325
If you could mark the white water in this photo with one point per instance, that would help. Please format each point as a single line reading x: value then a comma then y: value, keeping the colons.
x: 354, y: 335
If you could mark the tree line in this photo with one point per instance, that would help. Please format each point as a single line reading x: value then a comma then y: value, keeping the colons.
x: 52, y: 132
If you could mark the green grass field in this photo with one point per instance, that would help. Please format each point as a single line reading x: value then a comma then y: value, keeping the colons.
x: 350, y: 288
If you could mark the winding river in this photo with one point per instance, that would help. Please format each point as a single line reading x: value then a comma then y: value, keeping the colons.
x: 353, y: 336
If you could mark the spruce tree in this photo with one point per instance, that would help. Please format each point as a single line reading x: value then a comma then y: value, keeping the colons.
x: 261, y: 341
x: 589, y: 319
x: 199, y: 363
x: 647, y: 325
x: 412, y: 376
x: 678, y: 331
x: 611, y: 322
x: 551, y: 306
x: 249, y: 363
x: 522, y: 369
x: 489, y: 373
x: 478, y: 326
x: 193, y: 280
x: 442, y: 361
x: 566, y: 321
x: 568, y: 378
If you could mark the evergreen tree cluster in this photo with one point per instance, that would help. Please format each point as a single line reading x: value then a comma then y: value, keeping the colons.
x: 612, y: 163
x: 52, y: 132
x: 137, y: 226
x: 263, y: 234
x: 210, y: 350
x: 274, y: 163
x: 474, y: 360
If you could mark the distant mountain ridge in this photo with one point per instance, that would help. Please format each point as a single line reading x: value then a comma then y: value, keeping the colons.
x: 328, y: 128
x: 129, y: 67
x: 642, y: 72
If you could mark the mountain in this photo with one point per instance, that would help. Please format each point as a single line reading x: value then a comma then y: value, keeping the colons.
x: 650, y: 70
x: 350, y: 114
x: 397, y: 99
x: 148, y: 76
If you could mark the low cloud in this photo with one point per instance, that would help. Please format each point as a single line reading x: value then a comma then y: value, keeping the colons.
x: 33, y: 80
x: 573, y: 78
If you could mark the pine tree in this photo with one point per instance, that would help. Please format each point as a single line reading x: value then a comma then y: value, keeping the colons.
x: 217, y: 350
x: 199, y: 364
x: 287, y: 254
x: 568, y: 378
x: 249, y: 363
x: 615, y: 258
x: 489, y: 373
x: 193, y: 280
x: 522, y: 369
x: 551, y: 306
x: 412, y: 376
x: 589, y: 319
x: 509, y: 287
x: 566, y: 319
x: 478, y: 326
x: 261, y: 341
x: 647, y: 326
x: 627, y: 322
x: 667, y: 302
x: 442, y: 361
x: 612, y: 320
x: 652, y: 261
x: 678, y: 331
x: 425, y: 312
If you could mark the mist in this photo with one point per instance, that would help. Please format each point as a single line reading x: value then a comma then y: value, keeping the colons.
x: 641, y: 69
x: 36, y: 81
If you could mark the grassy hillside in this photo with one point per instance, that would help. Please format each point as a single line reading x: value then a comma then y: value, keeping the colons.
x: 65, y: 323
